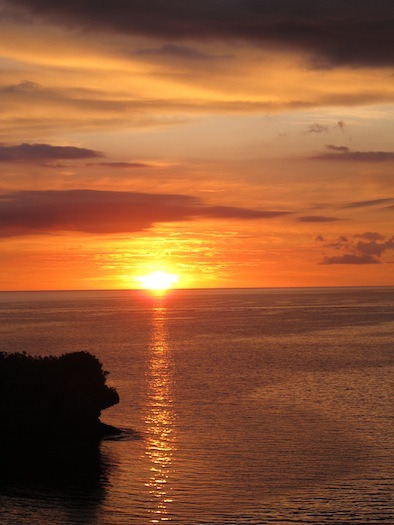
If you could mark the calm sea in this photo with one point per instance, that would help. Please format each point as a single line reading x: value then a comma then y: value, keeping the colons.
x: 241, y: 406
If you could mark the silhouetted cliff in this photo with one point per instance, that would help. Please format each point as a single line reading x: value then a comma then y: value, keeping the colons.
x: 53, y: 397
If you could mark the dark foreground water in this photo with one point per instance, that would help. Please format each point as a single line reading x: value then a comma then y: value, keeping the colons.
x: 248, y: 406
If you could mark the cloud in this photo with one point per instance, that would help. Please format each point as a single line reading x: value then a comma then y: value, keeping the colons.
x: 373, y: 202
x: 228, y: 212
x: 374, y: 248
x: 178, y: 52
x: 341, y: 149
x: 72, y: 108
x: 349, y: 258
x: 316, y: 128
x: 317, y: 218
x: 342, y: 153
x: 44, y: 152
x: 103, y: 212
x: 355, y: 32
x: 118, y: 165
x: 367, y: 251
x: 112, y: 165
x: 320, y: 128
x: 370, y: 236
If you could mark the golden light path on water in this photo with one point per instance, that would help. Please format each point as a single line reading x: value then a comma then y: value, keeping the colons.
x: 160, y: 418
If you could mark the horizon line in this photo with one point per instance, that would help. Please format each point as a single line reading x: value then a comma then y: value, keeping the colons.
x: 197, y: 288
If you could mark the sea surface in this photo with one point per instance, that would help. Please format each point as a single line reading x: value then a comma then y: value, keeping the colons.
x: 240, y: 407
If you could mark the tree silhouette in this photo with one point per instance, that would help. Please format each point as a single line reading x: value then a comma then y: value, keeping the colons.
x: 55, y: 397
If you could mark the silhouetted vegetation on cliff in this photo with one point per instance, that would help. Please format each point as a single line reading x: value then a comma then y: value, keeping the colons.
x: 53, y: 397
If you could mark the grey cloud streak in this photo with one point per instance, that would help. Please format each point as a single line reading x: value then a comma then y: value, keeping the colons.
x: 373, y: 202
x: 318, y: 218
x: 103, y: 212
x: 119, y: 165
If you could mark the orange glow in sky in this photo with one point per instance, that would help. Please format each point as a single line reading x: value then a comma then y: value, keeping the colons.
x: 138, y: 139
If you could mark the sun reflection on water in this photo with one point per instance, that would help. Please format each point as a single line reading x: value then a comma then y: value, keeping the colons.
x: 159, y: 418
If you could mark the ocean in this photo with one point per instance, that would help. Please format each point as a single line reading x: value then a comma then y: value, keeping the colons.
x: 239, y: 407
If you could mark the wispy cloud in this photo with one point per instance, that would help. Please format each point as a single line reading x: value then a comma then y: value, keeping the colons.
x: 316, y: 128
x: 70, y: 108
x: 337, y: 149
x: 318, y: 218
x: 343, y: 153
x: 367, y: 203
x: 118, y: 165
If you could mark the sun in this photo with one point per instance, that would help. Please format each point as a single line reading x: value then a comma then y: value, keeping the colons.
x: 158, y: 281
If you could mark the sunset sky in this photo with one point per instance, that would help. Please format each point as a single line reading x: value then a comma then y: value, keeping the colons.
x: 235, y: 143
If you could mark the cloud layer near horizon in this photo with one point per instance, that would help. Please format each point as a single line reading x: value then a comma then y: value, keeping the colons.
x: 357, y: 32
x: 103, y: 212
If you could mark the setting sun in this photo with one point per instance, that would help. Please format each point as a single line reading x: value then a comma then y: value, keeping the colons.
x: 158, y: 280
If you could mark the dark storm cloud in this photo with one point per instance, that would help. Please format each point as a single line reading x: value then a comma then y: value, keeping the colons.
x: 43, y: 152
x: 317, y: 218
x: 102, y: 212
x: 342, y: 153
x: 367, y: 251
x: 355, y: 32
